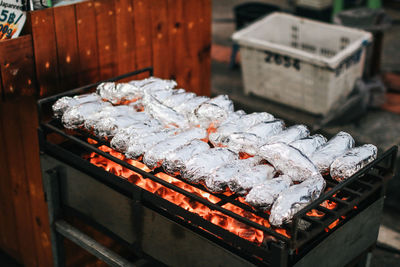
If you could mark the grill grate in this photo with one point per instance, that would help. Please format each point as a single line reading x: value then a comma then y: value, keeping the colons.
x: 346, y: 195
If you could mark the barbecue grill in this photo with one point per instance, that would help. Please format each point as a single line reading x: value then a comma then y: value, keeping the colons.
x: 339, y: 226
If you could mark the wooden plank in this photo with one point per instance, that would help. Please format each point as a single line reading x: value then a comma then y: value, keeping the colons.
x: 20, y: 191
x: 17, y: 66
x: 44, y: 43
x: 8, y: 241
x: 159, y: 30
x: 28, y: 123
x: 67, y: 47
x: 87, y: 43
x: 106, y: 38
x: 125, y: 36
x: 176, y: 40
x: 204, y: 53
x: 191, y: 70
x: 142, y: 24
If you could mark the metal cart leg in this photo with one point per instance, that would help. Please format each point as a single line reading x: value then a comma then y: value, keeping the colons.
x: 51, y: 189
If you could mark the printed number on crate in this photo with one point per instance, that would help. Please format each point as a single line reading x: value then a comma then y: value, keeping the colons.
x: 278, y: 59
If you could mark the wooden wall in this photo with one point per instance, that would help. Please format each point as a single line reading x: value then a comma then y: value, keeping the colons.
x: 69, y: 46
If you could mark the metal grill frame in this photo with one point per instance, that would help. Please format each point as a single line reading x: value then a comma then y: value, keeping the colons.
x: 369, y: 180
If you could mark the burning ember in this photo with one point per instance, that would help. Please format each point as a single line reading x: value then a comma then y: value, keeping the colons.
x: 216, y: 217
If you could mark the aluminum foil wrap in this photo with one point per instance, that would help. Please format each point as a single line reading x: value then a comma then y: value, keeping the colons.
x: 187, y: 108
x: 140, y: 145
x: 220, y: 178
x: 293, y: 199
x: 326, y: 154
x: 213, y: 111
x: 289, y: 161
x: 166, y: 115
x: 201, y: 166
x: 352, y: 161
x: 123, y: 137
x: 62, y: 104
x: 153, y: 84
x: 118, y: 92
x: 247, y: 178
x: 156, y: 154
x: 108, y: 126
x: 265, y: 130
x: 243, y: 142
x: 111, y: 111
x: 241, y: 124
x: 309, y: 145
x: 75, y: 116
x: 175, y: 161
x: 264, y: 195
x: 290, y: 135
x: 177, y: 99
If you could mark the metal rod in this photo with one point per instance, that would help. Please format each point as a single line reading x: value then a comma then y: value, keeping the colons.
x: 91, y: 245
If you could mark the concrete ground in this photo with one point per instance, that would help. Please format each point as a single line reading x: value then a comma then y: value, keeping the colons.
x: 378, y: 126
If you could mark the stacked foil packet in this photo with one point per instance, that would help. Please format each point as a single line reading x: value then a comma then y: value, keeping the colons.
x: 276, y: 168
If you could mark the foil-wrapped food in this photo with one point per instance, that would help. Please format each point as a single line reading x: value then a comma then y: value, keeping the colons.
x: 290, y: 161
x: 75, y: 116
x: 175, y: 161
x: 153, y: 84
x: 267, y: 129
x: 290, y: 135
x: 240, y: 124
x: 177, y: 99
x: 221, y: 177
x: 156, y: 154
x: 187, y: 108
x: 243, y: 142
x: 309, y: 145
x: 213, y: 111
x: 264, y: 194
x: 110, y: 111
x: 123, y: 137
x: 294, y: 198
x: 335, y: 147
x: 200, y: 167
x: 117, y: 93
x: 166, y: 115
x: 62, y: 104
x: 139, y: 145
x: 247, y: 178
x: 352, y: 161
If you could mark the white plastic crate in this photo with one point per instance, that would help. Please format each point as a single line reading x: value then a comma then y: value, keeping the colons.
x: 299, y: 62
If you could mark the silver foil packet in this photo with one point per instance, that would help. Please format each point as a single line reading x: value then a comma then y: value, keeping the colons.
x: 290, y: 134
x: 352, y: 161
x: 335, y: 147
x: 199, y: 167
x: 289, y: 161
x: 220, y: 178
x: 153, y: 84
x: 166, y: 115
x: 111, y: 111
x: 247, y: 178
x: 294, y: 198
x: 187, y: 108
x: 156, y: 154
x: 138, y: 146
x: 62, y: 104
x: 264, y: 195
x: 213, y: 111
x: 243, y: 142
x: 108, y: 127
x: 123, y: 137
x: 265, y: 130
x: 177, y: 99
x: 241, y: 124
x: 309, y: 145
x: 75, y: 116
x: 118, y: 92
x: 175, y: 161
